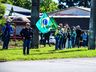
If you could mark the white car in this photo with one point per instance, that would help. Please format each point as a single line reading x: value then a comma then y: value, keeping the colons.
x: 52, y: 39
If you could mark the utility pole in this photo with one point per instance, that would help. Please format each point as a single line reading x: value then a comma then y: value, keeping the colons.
x: 92, y: 26
x: 34, y: 19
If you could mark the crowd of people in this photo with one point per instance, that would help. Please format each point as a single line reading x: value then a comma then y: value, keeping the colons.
x: 67, y: 37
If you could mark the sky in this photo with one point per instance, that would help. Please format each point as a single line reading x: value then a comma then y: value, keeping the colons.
x: 56, y: 1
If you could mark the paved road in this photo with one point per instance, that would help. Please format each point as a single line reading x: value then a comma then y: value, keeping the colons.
x: 59, y: 65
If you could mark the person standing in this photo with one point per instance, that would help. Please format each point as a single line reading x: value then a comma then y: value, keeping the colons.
x: 73, y: 36
x: 7, y: 30
x: 46, y: 38
x: 84, y: 36
x: 61, y: 36
x: 64, y: 36
x: 26, y: 34
x: 57, y: 38
x: 78, y: 37
x: 69, y: 40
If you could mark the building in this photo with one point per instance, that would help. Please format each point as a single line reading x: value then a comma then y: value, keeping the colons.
x: 17, y: 11
x: 73, y: 16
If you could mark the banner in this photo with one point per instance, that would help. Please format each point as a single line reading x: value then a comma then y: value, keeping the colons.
x: 45, y: 24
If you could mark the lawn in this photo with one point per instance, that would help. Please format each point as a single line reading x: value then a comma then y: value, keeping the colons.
x: 15, y: 54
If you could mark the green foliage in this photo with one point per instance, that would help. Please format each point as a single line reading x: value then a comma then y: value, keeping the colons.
x: 48, y: 6
x: 2, y: 21
x: 21, y: 3
x: 45, y: 6
x: 45, y: 53
x: 6, y: 1
x: 3, y: 1
x: 2, y: 11
x: 70, y: 3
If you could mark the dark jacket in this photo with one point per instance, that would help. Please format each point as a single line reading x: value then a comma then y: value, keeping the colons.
x: 26, y: 33
x: 7, y: 30
x: 78, y: 32
x: 47, y: 35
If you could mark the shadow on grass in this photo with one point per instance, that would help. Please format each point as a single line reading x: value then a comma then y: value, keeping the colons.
x: 57, y: 51
x: 35, y: 50
x: 11, y: 48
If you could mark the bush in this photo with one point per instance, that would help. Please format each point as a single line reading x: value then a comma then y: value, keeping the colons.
x: 2, y: 22
x: 2, y: 11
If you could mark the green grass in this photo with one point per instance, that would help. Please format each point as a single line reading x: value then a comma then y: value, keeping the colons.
x: 45, y: 53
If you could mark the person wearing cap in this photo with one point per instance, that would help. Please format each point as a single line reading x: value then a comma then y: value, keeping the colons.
x: 26, y: 34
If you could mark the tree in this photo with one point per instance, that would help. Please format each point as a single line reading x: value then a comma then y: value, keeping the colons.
x: 92, y: 26
x: 48, y: 6
x: 7, y: 1
x: 34, y: 19
x: 2, y: 11
x: 22, y: 3
x: 85, y: 3
x: 61, y: 6
x: 70, y: 3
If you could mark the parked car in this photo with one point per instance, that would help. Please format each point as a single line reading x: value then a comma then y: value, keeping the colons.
x: 52, y: 39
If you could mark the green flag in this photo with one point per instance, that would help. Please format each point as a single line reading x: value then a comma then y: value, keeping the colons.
x: 54, y: 24
x: 44, y: 24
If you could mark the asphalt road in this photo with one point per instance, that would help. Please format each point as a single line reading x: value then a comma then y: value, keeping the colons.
x: 58, y: 65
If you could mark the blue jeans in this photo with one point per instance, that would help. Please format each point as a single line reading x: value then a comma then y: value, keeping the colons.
x: 61, y: 43
x: 6, y: 42
x: 68, y: 43
x: 73, y: 41
x: 26, y: 45
x: 78, y: 41
x: 84, y: 43
x: 57, y: 42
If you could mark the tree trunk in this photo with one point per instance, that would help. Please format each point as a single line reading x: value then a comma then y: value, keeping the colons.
x: 92, y: 26
x: 34, y: 19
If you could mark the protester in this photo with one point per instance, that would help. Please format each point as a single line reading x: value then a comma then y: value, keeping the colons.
x: 57, y: 38
x: 41, y: 38
x: 78, y: 32
x: 84, y: 38
x: 46, y: 38
x: 7, y: 30
x: 73, y: 36
x: 69, y: 41
x: 61, y: 36
x: 26, y: 34
x: 64, y: 36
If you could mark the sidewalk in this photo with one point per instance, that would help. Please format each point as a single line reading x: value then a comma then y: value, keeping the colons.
x: 58, y: 65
